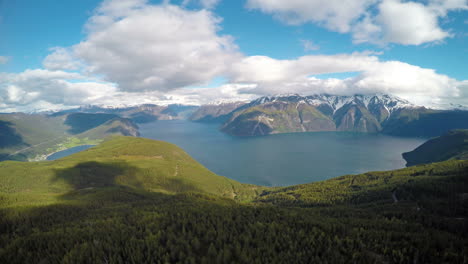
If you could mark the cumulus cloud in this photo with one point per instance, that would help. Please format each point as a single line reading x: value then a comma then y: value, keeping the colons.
x: 44, y: 87
x: 337, y: 15
x: 419, y: 85
x: 61, y: 59
x: 375, y: 21
x: 136, y: 53
x: 4, y: 59
x: 145, y: 47
x: 420, y: 23
x: 266, y: 69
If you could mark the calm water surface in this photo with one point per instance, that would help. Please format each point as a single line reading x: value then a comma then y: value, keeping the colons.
x: 284, y: 159
x: 64, y: 153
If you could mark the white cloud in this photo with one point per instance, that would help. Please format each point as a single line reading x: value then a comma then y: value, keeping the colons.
x: 4, y: 60
x: 419, y: 85
x: 138, y: 53
x: 309, y: 45
x: 148, y: 47
x: 61, y: 59
x: 374, y: 21
x: 337, y: 15
x: 266, y: 69
x: 420, y: 23
x: 32, y: 87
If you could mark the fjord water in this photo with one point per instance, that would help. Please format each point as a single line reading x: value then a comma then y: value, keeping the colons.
x: 284, y: 159
x: 67, y: 152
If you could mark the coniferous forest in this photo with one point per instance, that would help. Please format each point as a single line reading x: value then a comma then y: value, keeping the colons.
x: 127, y: 207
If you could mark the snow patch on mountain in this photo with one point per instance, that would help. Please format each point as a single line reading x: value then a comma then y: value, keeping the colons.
x: 389, y: 102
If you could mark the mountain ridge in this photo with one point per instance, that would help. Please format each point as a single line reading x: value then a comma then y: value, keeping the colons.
x: 452, y: 145
x: 377, y: 113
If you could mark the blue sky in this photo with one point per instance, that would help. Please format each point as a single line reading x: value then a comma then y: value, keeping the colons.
x: 293, y: 40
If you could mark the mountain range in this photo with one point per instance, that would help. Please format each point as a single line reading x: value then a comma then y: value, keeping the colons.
x: 358, y: 113
x: 374, y: 113
x: 143, y: 113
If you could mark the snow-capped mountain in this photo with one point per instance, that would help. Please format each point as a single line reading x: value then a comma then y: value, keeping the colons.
x: 324, y: 112
x: 335, y: 102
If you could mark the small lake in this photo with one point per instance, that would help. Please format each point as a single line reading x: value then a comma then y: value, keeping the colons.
x: 284, y: 159
x: 66, y: 152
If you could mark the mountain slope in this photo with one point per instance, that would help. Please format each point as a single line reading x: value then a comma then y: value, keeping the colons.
x: 425, y: 122
x: 141, y: 113
x: 357, y: 113
x: 277, y: 117
x: 216, y: 112
x: 453, y: 145
x: 425, y: 184
x: 34, y: 136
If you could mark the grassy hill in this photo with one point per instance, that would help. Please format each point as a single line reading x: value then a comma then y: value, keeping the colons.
x: 136, y: 163
x: 34, y: 136
x: 452, y: 145
x: 135, y: 200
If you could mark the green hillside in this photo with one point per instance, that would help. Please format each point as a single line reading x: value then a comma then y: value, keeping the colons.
x: 34, y: 136
x: 430, y: 184
x: 452, y: 145
x: 135, y: 200
x: 136, y: 163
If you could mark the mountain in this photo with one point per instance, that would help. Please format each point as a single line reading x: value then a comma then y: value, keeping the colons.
x: 217, y: 112
x: 452, y: 145
x: 424, y: 122
x: 142, y: 113
x: 135, y: 200
x: 35, y: 136
x: 357, y: 113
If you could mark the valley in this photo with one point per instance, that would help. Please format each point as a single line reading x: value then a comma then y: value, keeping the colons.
x: 35, y: 136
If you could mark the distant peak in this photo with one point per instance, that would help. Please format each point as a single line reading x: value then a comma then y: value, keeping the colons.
x: 387, y: 101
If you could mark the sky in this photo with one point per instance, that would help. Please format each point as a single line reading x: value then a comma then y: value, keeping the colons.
x: 57, y: 54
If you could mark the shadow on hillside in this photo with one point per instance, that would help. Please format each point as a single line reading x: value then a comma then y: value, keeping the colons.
x: 98, y: 185
x: 8, y: 135
x: 92, y: 175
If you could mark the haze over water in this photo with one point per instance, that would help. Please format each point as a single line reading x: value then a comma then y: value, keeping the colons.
x: 284, y: 159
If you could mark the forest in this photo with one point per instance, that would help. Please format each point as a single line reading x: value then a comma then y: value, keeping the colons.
x: 104, y: 214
